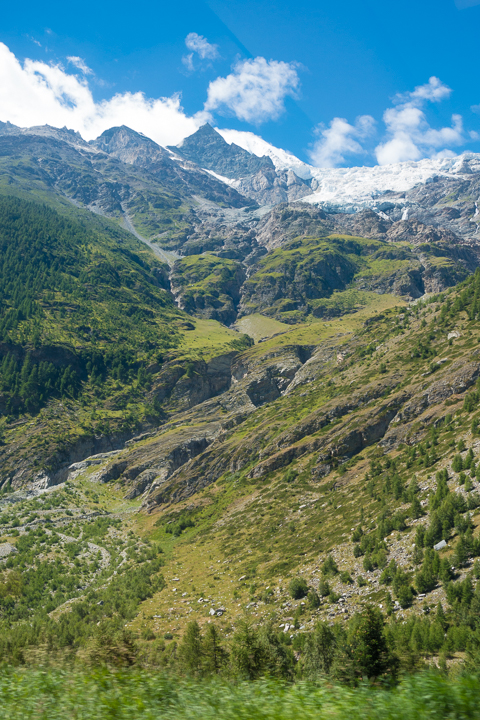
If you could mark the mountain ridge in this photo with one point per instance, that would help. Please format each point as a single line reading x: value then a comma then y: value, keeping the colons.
x: 331, y: 448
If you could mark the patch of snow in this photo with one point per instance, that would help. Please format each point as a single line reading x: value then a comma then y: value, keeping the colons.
x: 282, y: 159
x: 227, y: 181
x: 354, y: 188
x: 351, y: 189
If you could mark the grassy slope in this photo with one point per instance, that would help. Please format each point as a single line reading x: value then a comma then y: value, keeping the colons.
x: 250, y: 536
x: 332, y: 275
x: 268, y: 531
x: 108, y: 320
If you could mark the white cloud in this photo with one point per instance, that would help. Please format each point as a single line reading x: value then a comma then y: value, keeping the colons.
x: 434, y: 91
x: 36, y: 94
x: 475, y: 108
x: 200, y: 45
x: 409, y: 135
x: 80, y: 64
x: 340, y: 139
x: 255, y: 91
x: 187, y: 60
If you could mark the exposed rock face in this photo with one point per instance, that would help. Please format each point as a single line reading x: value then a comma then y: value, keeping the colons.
x: 208, y: 149
x: 184, y: 385
x: 20, y: 474
x: 417, y: 233
x: 133, y: 148
x: 365, y: 223
x: 209, y: 287
x: 254, y: 177
x: 270, y: 187
x: 443, y: 202
x: 142, y: 468
x: 287, y: 222
x: 266, y: 381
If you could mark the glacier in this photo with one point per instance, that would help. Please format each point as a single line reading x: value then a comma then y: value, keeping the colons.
x: 354, y: 188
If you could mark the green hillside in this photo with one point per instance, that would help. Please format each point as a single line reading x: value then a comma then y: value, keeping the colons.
x: 209, y: 286
x: 85, y: 319
x: 318, y: 505
x: 175, y: 497
x: 328, y: 276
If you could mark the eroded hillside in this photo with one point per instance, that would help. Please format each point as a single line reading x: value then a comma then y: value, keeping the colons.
x: 340, y: 458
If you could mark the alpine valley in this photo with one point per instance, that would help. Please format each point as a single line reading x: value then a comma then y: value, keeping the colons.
x: 237, y: 390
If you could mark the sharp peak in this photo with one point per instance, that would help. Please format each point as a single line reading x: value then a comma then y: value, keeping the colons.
x: 123, y: 128
x: 206, y: 129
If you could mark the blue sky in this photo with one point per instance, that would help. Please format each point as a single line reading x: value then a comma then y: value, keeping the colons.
x: 336, y: 83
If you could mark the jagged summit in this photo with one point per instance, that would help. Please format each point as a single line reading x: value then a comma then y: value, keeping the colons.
x: 121, y: 137
x: 207, y: 148
x: 72, y: 137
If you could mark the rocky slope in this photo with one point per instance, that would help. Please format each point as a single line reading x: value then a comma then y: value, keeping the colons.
x: 305, y: 455
x: 122, y: 175
x: 209, y: 150
x: 253, y: 176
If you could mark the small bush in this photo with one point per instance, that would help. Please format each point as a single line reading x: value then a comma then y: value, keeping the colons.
x: 290, y: 475
x: 323, y: 588
x: 457, y: 464
x: 329, y: 567
x: 298, y: 588
x: 367, y: 564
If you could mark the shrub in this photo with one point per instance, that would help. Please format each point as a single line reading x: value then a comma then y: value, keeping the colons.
x: 457, y: 464
x: 298, y: 588
x: 329, y: 567
x: 267, y: 596
x: 467, y: 463
x: 405, y: 596
x: 357, y: 551
x: 357, y: 534
x: 367, y: 563
x: 323, y: 588
x: 290, y: 475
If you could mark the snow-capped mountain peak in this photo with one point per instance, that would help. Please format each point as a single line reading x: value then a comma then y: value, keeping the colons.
x: 351, y: 189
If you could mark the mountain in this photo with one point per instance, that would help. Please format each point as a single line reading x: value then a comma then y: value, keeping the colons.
x: 208, y: 149
x: 88, y: 326
x: 214, y: 409
x: 133, y: 148
x: 145, y: 190
x: 253, y: 176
